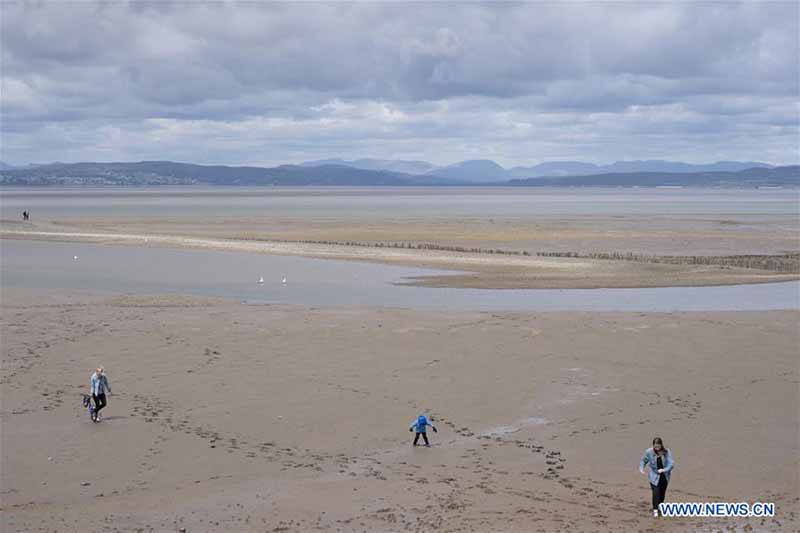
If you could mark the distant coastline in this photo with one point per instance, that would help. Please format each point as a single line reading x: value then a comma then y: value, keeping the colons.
x: 167, y: 173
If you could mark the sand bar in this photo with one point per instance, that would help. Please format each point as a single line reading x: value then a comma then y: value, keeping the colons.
x: 474, y: 270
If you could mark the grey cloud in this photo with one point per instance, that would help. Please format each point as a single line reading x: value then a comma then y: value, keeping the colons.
x: 302, y: 81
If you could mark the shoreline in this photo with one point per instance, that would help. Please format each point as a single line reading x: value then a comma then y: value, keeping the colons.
x: 470, y: 269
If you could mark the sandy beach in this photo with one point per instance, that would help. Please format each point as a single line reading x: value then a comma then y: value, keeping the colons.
x: 233, y: 417
x: 561, y: 231
x: 228, y: 416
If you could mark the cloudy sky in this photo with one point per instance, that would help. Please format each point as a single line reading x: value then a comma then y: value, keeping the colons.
x: 263, y: 84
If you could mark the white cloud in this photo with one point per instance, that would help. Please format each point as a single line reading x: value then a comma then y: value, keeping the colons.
x: 522, y: 83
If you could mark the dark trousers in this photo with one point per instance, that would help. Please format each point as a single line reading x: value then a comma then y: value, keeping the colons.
x: 424, y: 437
x: 99, y: 402
x: 659, y: 491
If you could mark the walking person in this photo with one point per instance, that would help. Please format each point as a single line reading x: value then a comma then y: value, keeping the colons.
x: 420, y: 426
x: 98, y: 386
x: 657, y: 464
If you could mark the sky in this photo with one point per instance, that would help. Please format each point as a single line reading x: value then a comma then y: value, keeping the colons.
x: 520, y: 83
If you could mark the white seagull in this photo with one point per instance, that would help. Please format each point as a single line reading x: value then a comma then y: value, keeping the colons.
x: 261, y: 280
x: 283, y: 281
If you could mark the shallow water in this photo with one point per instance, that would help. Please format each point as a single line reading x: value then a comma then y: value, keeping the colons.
x: 38, y: 264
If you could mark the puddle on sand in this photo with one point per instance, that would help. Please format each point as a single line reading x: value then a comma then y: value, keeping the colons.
x: 515, y: 427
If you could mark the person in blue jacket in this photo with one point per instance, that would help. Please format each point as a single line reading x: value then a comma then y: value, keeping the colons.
x: 657, y: 464
x: 98, y: 386
x: 420, y: 426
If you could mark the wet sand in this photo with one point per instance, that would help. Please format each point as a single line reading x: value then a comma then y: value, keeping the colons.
x: 234, y: 417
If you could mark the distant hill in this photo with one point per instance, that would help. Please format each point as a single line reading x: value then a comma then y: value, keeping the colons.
x: 678, y: 167
x: 170, y: 173
x: 476, y: 170
x: 391, y: 165
x: 476, y: 173
x: 576, y: 168
x: 788, y: 176
x: 555, y: 168
x: 6, y: 166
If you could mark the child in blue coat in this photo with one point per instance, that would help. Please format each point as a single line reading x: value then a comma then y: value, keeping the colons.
x: 420, y: 426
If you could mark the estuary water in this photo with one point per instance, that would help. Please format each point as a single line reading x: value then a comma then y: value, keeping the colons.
x: 134, y: 270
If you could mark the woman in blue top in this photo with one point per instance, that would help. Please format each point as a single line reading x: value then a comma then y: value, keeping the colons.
x: 657, y: 465
x: 98, y: 386
x: 420, y: 426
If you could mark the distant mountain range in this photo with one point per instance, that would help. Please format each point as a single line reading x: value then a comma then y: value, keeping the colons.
x: 376, y: 172
x: 484, y: 170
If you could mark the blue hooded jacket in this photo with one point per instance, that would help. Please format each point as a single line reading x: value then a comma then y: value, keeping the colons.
x: 420, y: 424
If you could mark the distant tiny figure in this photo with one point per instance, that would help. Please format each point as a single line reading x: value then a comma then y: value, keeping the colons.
x: 98, y: 386
x: 26, y: 215
x: 420, y: 426
x: 657, y: 464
